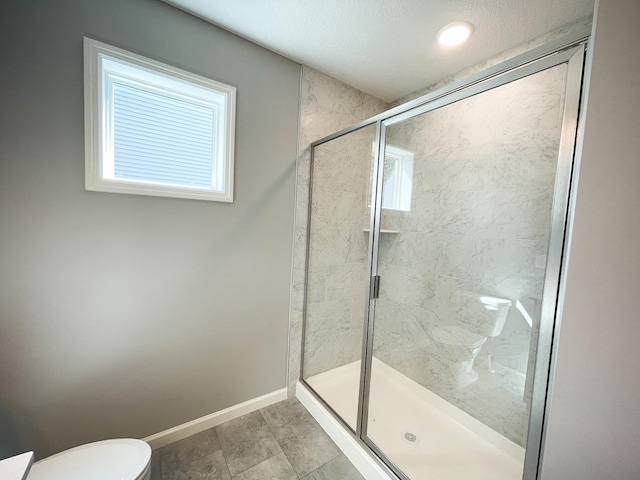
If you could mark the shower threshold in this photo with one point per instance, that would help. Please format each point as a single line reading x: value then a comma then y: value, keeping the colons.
x: 423, y: 434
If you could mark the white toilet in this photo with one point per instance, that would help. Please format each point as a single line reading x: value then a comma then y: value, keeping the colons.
x: 121, y: 459
x: 458, y: 348
x: 459, y: 344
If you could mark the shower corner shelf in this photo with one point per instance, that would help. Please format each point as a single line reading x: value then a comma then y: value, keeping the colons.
x: 366, y: 230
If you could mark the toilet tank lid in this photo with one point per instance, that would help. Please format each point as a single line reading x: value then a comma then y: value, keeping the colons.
x: 121, y: 459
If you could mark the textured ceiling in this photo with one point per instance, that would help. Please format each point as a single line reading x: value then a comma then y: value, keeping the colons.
x: 386, y: 47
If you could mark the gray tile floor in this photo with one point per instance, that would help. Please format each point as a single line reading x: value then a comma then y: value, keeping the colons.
x: 279, y: 442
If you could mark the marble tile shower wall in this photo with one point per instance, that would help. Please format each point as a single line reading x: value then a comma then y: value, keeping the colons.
x: 478, y: 249
x: 338, y: 252
x: 326, y: 106
x: 484, y: 170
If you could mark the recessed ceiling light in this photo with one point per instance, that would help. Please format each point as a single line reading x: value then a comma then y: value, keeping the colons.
x: 454, y: 33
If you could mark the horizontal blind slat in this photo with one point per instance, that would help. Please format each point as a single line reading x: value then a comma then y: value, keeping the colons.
x: 141, y: 95
x: 163, y: 117
x: 153, y: 143
x: 169, y: 162
x: 162, y: 138
x: 166, y: 134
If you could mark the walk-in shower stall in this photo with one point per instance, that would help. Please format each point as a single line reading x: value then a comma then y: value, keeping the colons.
x: 434, y: 260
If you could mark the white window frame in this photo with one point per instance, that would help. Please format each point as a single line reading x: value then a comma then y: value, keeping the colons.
x: 401, y: 189
x: 104, y: 62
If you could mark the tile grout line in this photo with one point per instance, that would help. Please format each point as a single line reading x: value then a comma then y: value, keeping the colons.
x: 193, y: 460
x: 213, y: 436
x: 325, y: 463
x: 285, y: 455
x: 224, y: 459
x: 233, y: 477
x: 159, y: 463
x: 268, y: 458
x: 278, y: 442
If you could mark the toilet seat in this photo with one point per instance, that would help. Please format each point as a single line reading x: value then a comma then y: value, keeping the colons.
x: 121, y: 459
x: 459, y: 337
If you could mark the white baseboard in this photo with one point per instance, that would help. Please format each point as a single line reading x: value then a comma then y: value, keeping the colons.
x: 214, y: 419
x: 364, y: 463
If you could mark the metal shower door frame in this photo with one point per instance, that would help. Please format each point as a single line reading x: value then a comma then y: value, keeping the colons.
x: 564, y: 51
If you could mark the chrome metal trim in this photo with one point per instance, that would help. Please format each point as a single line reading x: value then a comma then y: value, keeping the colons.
x: 367, y: 363
x: 481, y: 87
x: 375, y: 287
x: 549, y: 321
x: 542, y: 58
x: 366, y: 447
x: 397, y: 471
x: 293, y: 239
x: 330, y: 409
x: 306, y: 266
x: 577, y: 160
x: 306, y: 280
x: 533, y: 55
x: 572, y: 56
x: 367, y: 339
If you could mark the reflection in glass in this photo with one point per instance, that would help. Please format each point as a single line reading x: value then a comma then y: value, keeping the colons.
x: 460, y: 253
x: 461, y: 283
x: 397, y: 179
x: 338, y: 270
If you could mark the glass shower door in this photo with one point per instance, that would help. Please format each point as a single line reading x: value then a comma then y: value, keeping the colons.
x: 465, y: 221
x: 338, y: 269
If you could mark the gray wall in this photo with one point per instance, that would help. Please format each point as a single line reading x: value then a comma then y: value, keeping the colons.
x: 594, y: 424
x: 124, y: 315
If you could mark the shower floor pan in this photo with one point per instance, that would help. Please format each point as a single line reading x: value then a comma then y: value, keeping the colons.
x: 423, y: 434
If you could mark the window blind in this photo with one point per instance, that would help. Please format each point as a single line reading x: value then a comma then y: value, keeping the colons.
x: 162, y: 138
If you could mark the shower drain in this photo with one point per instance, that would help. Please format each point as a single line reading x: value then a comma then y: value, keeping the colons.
x: 410, y: 438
